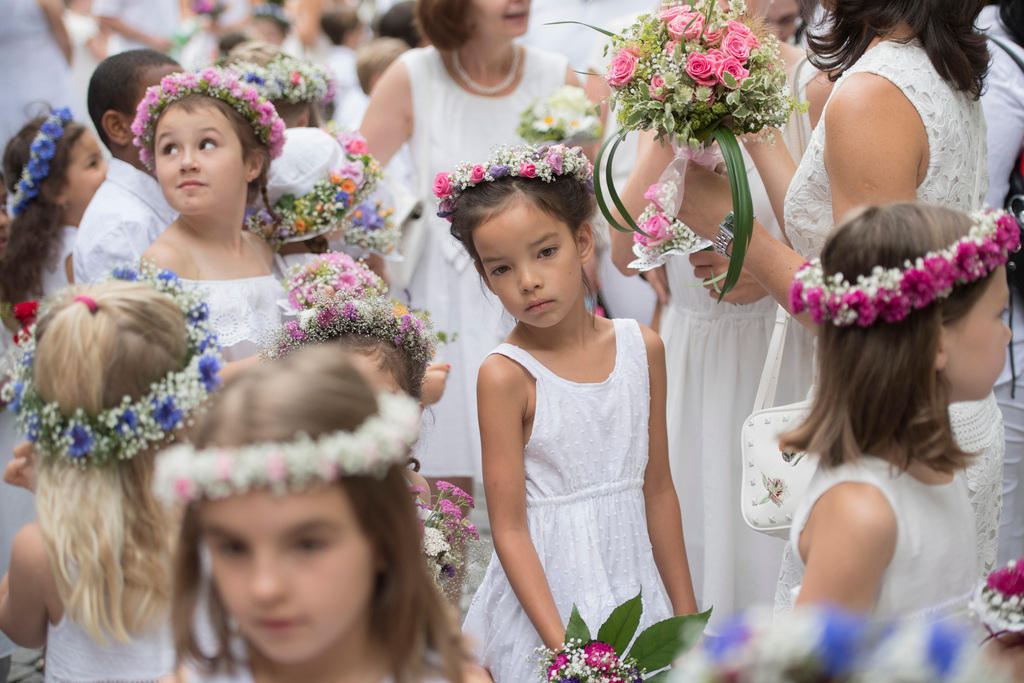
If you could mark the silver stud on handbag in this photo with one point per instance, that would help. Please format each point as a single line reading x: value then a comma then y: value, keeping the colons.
x: 774, y: 479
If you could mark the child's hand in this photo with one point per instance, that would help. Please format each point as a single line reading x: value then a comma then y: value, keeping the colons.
x: 434, y: 380
x: 21, y: 471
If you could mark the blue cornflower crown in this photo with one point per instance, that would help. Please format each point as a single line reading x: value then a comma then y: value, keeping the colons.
x: 290, y: 79
x: 43, y: 147
x: 121, y: 432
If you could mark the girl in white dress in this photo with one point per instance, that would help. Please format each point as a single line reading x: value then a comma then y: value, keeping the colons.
x: 37, y: 261
x: 111, y: 372
x: 572, y: 420
x: 903, y: 122
x: 212, y: 139
x: 886, y: 525
x: 300, y: 546
x: 451, y: 102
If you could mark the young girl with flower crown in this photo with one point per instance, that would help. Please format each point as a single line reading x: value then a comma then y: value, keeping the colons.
x: 572, y: 420
x: 210, y: 138
x: 109, y: 373
x: 886, y: 525
x: 299, y: 532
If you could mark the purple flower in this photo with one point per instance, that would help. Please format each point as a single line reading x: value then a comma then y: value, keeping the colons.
x: 294, y: 331
x: 498, y: 171
x: 349, y: 311
x: 326, y: 316
x: 554, y: 160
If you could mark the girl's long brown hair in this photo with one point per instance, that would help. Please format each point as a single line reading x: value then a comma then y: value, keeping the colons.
x: 878, y: 390
x: 316, y: 391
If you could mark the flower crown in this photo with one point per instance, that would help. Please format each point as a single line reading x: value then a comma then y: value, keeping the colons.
x: 286, y: 78
x: 273, y: 11
x: 132, y: 426
x: 544, y: 162
x: 306, y: 282
x: 375, y: 316
x: 892, y: 294
x: 184, y: 474
x: 42, y: 149
x: 328, y: 205
x: 222, y: 84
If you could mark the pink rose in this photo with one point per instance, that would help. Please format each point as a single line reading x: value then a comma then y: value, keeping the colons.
x: 688, y: 25
x: 701, y: 68
x: 653, y: 195
x: 527, y: 170
x: 667, y: 15
x: 356, y: 145
x: 670, y: 47
x: 658, y: 229
x: 730, y: 65
x: 737, y: 45
x: 743, y: 30
x: 713, y: 38
x: 477, y: 174
x: 442, y: 184
x: 657, y: 88
x: 620, y: 71
x: 296, y: 78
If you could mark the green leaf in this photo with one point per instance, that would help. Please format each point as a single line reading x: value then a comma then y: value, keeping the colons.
x: 621, y: 625
x: 598, y: 192
x: 596, y: 28
x: 742, y: 205
x: 730, y: 80
x: 576, y: 629
x: 665, y: 641
x: 630, y: 223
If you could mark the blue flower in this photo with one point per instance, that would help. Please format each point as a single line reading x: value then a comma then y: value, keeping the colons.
x: 167, y: 414
x: 253, y: 78
x: 167, y: 276
x: 199, y: 313
x: 15, y: 403
x: 733, y: 634
x: 33, y: 428
x: 38, y: 168
x: 840, y: 639
x: 210, y: 342
x: 944, y: 645
x: 81, y: 440
x: 342, y: 197
x: 52, y: 129
x: 43, y: 148
x: 127, y: 421
x: 125, y: 273
x: 209, y: 366
x: 27, y: 359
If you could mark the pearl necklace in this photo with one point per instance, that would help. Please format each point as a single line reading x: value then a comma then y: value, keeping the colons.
x: 484, y: 89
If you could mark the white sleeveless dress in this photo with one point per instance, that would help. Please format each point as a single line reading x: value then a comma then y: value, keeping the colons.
x: 957, y: 177
x: 17, y: 506
x: 933, y: 569
x: 585, y: 464
x: 73, y: 657
x: 714, y: 357
x: 451, y: 126
x: 245, y: 312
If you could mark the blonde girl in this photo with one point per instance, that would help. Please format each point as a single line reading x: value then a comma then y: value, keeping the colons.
x: 109, y: 373
x: 300, y: 533
x: 909, y: 298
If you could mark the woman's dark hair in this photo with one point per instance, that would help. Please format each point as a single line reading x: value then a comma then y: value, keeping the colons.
x: 34, y: 233
x: 445, y: 23
x: 896, y: 409
x: 399, y: 22
x: 945, y: 28
x: 566, y: 198
x: 1011, y: 14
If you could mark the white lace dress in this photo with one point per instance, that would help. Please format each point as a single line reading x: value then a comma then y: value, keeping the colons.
x: 585, y: 464
x: 72, y: 656
x: 714, y: 357
x: 957, y: 176
x: 244, y: 312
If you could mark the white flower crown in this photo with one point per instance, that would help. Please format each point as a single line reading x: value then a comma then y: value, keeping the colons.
x: 289, y: 79
x: 184, y: 474
x: 121, y: 432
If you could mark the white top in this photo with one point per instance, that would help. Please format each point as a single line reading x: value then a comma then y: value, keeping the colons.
x: 244, y: 312
x: 933, y: 568
x: 957, y: 172
x: 154, y: 17
x: 436, y: 273
x: 350, y: 101
x: 55, y: 274
x: 73, y: 657
x: 34, y: 72
x: 126, y: 215
x: 584, y: 463
x: 572, y: 40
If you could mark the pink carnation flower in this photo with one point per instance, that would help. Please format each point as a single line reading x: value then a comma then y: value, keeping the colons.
x: 942, y: 272
x: 859, y: 302
x: 1009, y: 580
x: 621, y: 70
x: 353, y: 170
x: 893, y: 307
x: 600, y: 656
x: 918, y: 286
x: 796, y: 301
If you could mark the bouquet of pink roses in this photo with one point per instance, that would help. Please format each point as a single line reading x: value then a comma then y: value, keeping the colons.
x: 696, y: 74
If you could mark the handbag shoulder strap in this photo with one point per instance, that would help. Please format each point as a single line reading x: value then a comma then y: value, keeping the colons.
x: 765, y: 397
x: 1006, y: 48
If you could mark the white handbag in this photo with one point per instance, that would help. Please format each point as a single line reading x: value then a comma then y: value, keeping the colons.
x: 773, y: 480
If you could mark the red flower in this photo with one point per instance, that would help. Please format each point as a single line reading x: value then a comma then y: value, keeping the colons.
x: 25, y: 312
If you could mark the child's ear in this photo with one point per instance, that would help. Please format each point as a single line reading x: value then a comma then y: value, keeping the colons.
x: 117, y: 128
x: 585, y: 242
x: 253, y: 166
x: 483, y: 275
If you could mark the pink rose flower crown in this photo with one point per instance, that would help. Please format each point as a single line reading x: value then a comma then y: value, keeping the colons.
x: 998, y: 602
x: 891, y: 294
x: 222, y: 84
x: 545, y: 163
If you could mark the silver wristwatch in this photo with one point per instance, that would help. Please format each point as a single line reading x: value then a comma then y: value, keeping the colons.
x: 723, y: 240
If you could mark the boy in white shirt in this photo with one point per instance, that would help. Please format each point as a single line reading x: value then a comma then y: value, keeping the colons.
x: 128, y: 211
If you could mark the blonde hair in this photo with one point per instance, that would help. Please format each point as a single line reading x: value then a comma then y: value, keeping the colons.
x: 315, y: 391
x: 108, y: 539
x: 375, y: 57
